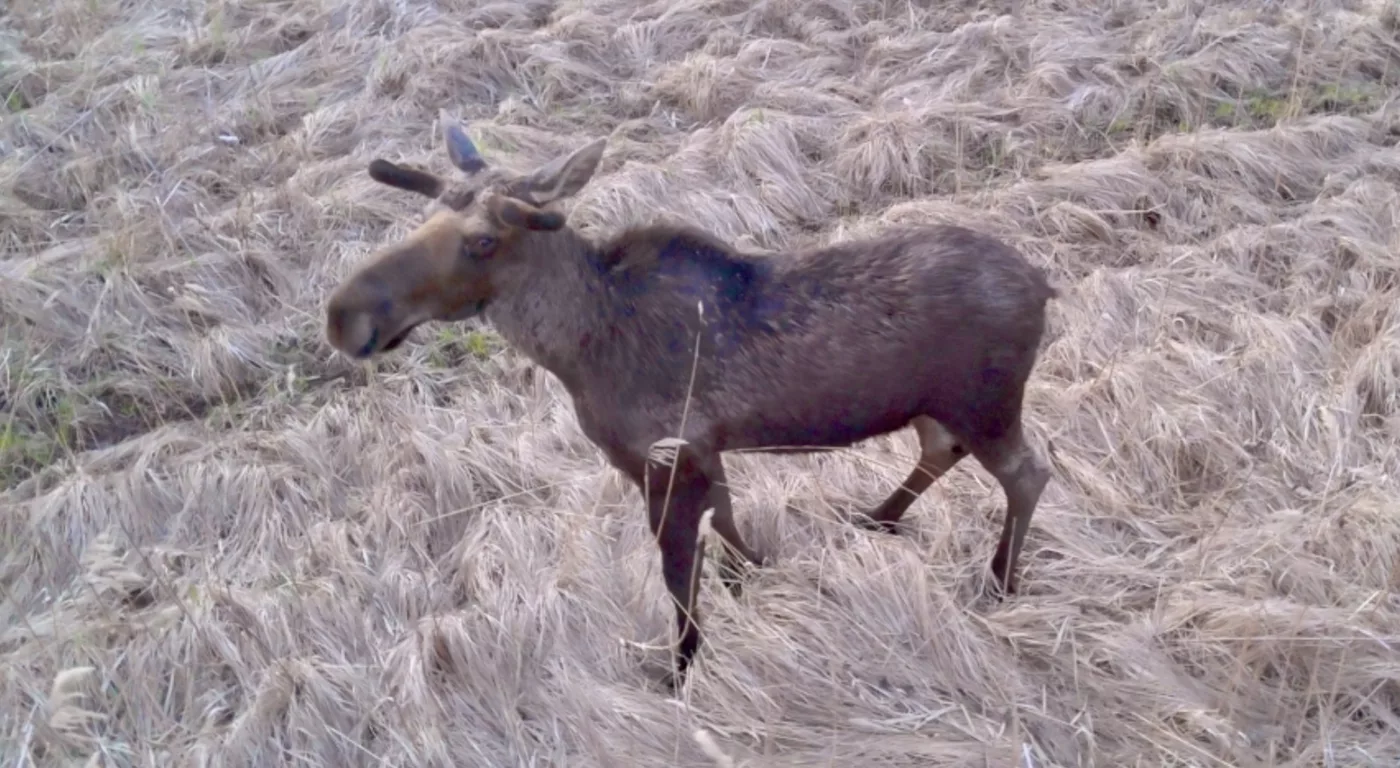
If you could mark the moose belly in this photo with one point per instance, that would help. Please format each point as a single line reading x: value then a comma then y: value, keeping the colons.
x: 801, y: 428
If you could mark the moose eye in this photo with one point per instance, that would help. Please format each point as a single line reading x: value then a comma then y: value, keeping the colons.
x: 479, y: 245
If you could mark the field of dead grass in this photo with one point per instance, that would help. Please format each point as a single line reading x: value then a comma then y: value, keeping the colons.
x: 225, y: 545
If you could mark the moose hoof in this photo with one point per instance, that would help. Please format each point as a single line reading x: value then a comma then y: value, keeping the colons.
x: 733, y: 580
x: 869, y: 523
x: 664, y: 676
x: 734, y: 571
x: 995, y: 589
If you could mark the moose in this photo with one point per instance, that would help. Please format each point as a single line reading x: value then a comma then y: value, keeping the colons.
x: 665, y: 333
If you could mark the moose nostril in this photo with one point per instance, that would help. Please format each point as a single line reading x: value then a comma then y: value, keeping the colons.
x: 370, y: 344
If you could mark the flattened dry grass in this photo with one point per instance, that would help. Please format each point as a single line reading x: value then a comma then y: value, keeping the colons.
x: 225, y: 545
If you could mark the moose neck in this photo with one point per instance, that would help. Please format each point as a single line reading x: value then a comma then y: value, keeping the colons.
x: 552, y: 301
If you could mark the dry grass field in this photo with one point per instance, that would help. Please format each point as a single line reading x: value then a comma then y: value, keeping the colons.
x: 225, y: 545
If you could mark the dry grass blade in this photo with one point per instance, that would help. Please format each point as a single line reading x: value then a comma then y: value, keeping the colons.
x: 225, y: 545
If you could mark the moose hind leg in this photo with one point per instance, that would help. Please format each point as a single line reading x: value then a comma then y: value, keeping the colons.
x: 677, y: 491
x: 1023, y: 474
x: 939, y: 451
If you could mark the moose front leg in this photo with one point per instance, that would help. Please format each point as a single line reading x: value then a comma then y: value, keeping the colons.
x: 736, y: 553
x: 677, y: 491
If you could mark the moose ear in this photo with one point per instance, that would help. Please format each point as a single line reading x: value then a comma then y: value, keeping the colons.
x: 522, y: 215
x: 461, y: 150
x: 408, y: 179
x: 565, y: 176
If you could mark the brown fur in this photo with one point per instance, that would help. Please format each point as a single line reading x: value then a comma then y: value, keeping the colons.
x: 936, y: 328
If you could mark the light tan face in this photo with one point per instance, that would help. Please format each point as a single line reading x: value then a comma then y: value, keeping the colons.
x: 443, y: 270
